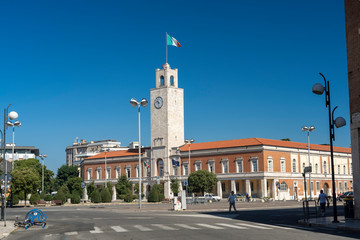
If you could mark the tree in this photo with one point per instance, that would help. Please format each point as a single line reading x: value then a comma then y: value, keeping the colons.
x: 65, y: 172
x: 74, y: 185
x: 175, y: 185
x: 25, y: 181
x: 156, y: 193
x: 136, y: 190
x: 90, y: 188
x: 202, y: 181
x: 123, y: 186
x: 35, y: 164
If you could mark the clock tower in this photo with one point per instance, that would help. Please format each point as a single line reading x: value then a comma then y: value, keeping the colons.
x: 167, y: 123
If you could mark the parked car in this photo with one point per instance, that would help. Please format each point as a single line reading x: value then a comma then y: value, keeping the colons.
x: 349, y: 194
x: 209, y: 196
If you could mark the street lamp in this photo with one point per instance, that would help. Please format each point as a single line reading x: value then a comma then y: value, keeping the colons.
x: 105, y: 150
x: 13, y: 124
x: 309, y: 129
x: 189, y: 142
x: 319, y: 89
x: 143, y: 103
x: 12, y: 116
x: 42, y: 156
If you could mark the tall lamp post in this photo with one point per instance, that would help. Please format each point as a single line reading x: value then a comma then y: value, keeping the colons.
x: 187, y: 141
x: 105, y: 150
x: 42, y: 156
x: 309, y: 129
x: 7, y: 116
x: 319, y: 89
x: 143, y: 103
x: 13, y: 124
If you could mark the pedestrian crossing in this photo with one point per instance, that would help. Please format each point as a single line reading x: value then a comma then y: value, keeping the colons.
x: 181, y: 227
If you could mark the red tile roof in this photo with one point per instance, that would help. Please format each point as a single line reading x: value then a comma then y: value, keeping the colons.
x: 260, y: 141
x: 112, y: 154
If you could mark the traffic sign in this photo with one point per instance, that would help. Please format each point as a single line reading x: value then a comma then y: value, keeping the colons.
x: 83, y: 185
x: 186, y: 183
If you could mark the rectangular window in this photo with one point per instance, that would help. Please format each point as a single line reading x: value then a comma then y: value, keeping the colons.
x: 225, y: 167
x: 270, y: 165
x: 197, y: 166
x: 223, y: 187
x: 294, y: 165
x: 239, y: 166
x: 311, y: 186
x: 254, y: 166
x: 211, y: 167
x: 340, y: 187
x: 117, y: 172
x: 345, y: 185
x: 282, y: 165
x: 185, y: 170
x: 89, y: 174
x: 128, y: 172
x: 108, y: 175
x: 237, y: 187
x: 175, y: 170
x: 98, y: 173
x: 317, y: 186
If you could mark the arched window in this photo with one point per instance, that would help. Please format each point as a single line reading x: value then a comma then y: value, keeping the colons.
x: 303, y: 166
x: 344, y: 169
x: 283, y: 186
x: 162, y: 81
x: 325, y: 169
x: 338, y: 169
x: 270, y: 165
x: 172, y: 80
x: 282, y: 165
x: 316, y: 168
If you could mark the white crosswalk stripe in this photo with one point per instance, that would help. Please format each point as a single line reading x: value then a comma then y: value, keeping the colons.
x: 163, y: 227
x: 71, y: 233
x: 186, y: 226
x: 142, y: 228
x: 209, y: 226
x: 119, y: 229
x: 96, y: 230
x: 252, y: 226
x: 231, y: 226
x: 273, y: 226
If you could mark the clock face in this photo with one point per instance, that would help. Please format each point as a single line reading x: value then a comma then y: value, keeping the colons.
x: 158, y: 102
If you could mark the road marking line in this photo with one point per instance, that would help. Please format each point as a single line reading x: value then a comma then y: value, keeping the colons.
x: 71, y: 233
x: 231, y: 226
x: 97, y: 230
x: 209, y: 226
x: 187, y: 226
x: 273, y: 226
x: 252, y: 226
x: 164, y: 227
x: 296, y: 227
x: 118, y: 229
x: 142, y: 228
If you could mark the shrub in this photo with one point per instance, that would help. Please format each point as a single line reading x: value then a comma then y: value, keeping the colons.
x: 129, y: 197
x: 90, y: 188
x: 95, y: 196
x: 34, y: 197
x: 105, y: 195
x: 42, y: 195
x: 60, y: 196
x: 48, y: 197
x: 75, y: 198
x: 15, y: 199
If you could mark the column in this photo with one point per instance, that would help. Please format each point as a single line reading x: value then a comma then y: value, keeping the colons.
x: 167, y: 188
x: 248, y: 187
x: 263, y: 188
x: 219, y: 189
x: 275, y: 197
x: 233, y: 186
x: 113, y: 198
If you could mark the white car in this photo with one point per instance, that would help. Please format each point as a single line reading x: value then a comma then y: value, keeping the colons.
x: 211, y: 197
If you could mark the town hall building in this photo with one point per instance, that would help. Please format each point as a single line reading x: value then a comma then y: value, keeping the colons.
x: 255, y: 166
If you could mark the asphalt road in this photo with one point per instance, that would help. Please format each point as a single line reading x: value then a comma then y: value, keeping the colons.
x: 252, y: 221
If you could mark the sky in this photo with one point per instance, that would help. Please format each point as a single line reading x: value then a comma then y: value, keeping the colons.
x: 70, y: 68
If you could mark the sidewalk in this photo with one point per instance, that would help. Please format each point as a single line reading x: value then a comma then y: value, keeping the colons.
x: 5, y: 231
x: 343, y: 224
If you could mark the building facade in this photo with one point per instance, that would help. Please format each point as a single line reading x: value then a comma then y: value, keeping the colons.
x: 352, y: 17
x: 258, y: 167
x: 82, y: 149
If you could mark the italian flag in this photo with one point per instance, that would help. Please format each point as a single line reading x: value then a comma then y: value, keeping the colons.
x: 172, y: 41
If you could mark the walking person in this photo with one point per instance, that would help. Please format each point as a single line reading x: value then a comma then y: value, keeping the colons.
x: 231, y: 200
x: 322, y: 199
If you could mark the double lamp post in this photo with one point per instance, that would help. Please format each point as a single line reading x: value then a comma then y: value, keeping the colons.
x: 319, y: 89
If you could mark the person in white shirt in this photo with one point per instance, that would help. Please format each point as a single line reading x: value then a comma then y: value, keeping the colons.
x: 231, y: 200
x: 323, y: 199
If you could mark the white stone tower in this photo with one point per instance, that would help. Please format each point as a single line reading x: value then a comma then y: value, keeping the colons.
x: 167, y: 123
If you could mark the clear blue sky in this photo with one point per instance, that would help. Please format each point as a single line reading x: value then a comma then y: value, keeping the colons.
x: 247, y: 68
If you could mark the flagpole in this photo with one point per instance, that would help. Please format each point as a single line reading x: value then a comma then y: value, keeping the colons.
x: 166, y: 47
